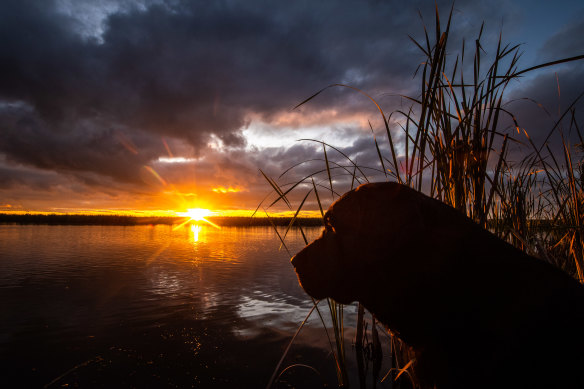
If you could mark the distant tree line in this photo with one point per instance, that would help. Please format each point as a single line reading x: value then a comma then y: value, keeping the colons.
x: 121, y: 220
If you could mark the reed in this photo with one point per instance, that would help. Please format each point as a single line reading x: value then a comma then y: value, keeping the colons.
x: 562, y: 199
x: 457, y: 135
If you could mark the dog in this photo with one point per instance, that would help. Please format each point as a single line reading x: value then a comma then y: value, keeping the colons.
x: 476, y: 311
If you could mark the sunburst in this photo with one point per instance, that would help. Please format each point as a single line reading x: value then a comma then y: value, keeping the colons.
x: 196, y: 215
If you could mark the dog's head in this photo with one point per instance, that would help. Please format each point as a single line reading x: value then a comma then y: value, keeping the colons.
x: 362, y: 230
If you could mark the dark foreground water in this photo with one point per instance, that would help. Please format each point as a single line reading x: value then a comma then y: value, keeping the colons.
x: 108, y: 306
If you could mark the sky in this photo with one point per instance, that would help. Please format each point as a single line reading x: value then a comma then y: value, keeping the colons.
x: 154, y: 105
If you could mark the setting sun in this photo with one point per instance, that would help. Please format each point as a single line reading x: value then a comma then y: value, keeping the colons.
x: 197, y: 214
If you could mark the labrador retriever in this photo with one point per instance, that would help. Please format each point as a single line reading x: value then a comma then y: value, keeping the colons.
x: 476, y: 311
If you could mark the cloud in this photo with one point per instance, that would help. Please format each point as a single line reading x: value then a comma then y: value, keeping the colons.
x: 79, y: 148
x: 95, y: 92
x: 567, y: 42
x: 546, y: 95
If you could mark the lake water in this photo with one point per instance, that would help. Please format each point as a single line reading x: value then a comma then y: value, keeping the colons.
x: 149, y: 306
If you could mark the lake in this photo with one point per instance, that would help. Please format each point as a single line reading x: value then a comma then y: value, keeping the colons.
x: 153, y: 306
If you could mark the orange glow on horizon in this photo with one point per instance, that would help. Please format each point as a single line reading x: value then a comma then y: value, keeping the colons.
x: 165, y: 194
x: 153, y: 213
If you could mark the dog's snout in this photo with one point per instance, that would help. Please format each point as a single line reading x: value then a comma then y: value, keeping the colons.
x: 298, y: 258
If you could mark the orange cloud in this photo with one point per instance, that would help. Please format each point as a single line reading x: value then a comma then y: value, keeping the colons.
x: 309, y: 117
x: 230, y: 189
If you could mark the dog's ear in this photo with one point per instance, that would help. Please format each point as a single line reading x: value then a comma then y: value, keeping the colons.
x: 345, y: 214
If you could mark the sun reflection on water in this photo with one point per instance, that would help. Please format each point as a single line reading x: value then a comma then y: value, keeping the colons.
x: 196, y: 232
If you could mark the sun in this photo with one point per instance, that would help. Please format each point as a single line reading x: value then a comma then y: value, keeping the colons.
x: 197, y: 214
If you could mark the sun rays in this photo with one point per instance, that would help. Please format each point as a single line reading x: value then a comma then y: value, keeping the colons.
x: 196, y: 215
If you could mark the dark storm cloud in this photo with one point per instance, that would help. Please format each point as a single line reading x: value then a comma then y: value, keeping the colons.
x: 188, y: 70
x: 567, y: 42
x: 11, y: 177
x: 84, y: 146
x: 545, y: 95
x: 90, y: 90
x: 550, y: 94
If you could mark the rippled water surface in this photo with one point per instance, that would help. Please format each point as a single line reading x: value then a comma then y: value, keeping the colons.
x: 109, y: 306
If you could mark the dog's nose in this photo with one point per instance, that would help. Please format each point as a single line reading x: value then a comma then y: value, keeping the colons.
x: 293, y: 260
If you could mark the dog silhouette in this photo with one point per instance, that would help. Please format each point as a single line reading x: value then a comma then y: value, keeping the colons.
x: 476, y: 311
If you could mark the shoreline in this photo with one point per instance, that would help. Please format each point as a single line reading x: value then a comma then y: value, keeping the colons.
x: 118, y: 220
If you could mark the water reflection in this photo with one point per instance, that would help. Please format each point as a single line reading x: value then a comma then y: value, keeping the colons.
x: 195, y: 306
x: 196, y: 231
